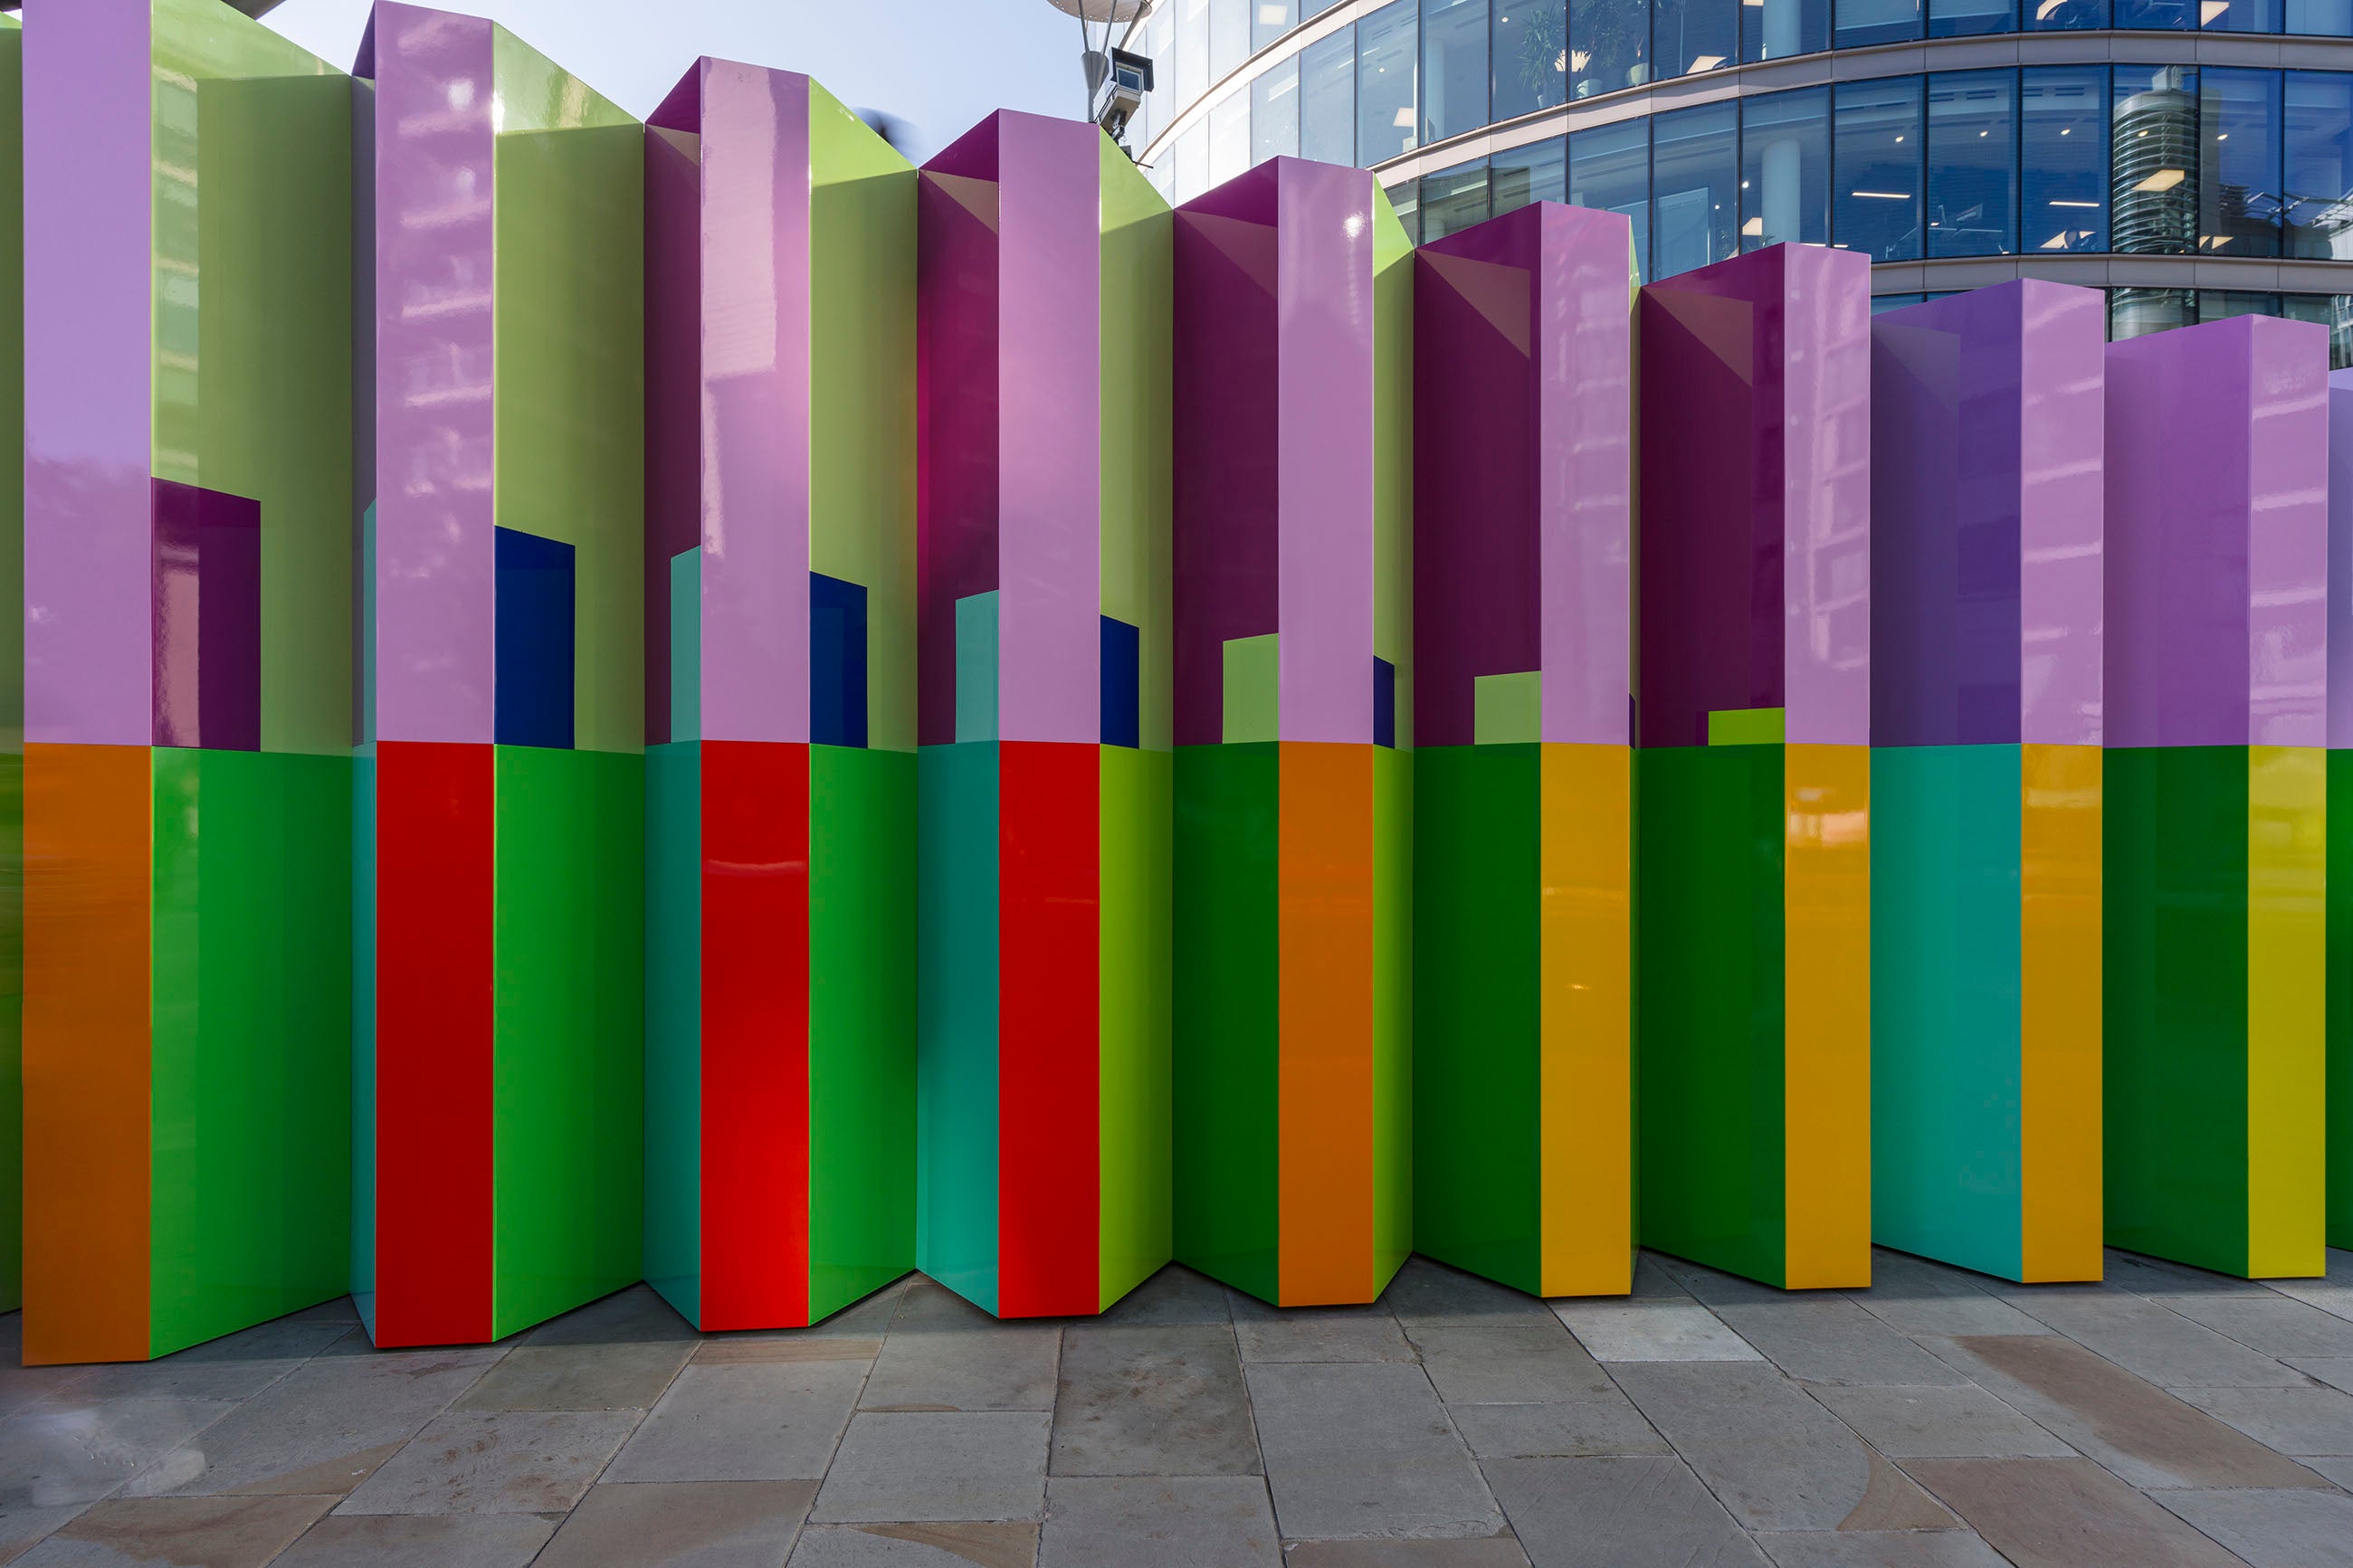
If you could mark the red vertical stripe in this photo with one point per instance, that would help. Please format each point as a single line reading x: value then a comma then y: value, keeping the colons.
x: 433, y: 1036
x: 755, y: 1101
x: 1049, y: 1196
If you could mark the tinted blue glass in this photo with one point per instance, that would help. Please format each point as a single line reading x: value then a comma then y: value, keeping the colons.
x: 1609, y: 170
x: 2136, y: 313
x: 1454, y: 68
x: 1269, y: 19
x: 2174, y: 15
x: 1533, y: 173
x: 2331, y: 17
x: 1608, y: 45
x: 1958, y: 18
x: 2153, y: 138
x: 1274, y: 112
x: 2239, y: 167
x: 2239, y: 15
x: 1453, y: 199
x: 1230, y: 31
x: 1861, y: 22
x: 1881, y: 304
x: 1386, y: 116
x: 1327, y: 99
x: 2061, y: 16
x: 1406, y: 204
x: 1695, y: 188
x: 1973, y: 163
x: 1688, y: 36
x: 1784, y: 168
x: 2317, y: 190
x: 1875, y: 196
x: 2063, y: 161
x: 2334, y: 311
x: 1776, y: 29
x: 1531, y: 56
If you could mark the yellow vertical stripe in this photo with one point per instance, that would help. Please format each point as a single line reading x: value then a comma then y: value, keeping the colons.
x: 1586, y: 1004
x: 2058, y: 1025
x: 1826, y: 969
x: 2287, y: 827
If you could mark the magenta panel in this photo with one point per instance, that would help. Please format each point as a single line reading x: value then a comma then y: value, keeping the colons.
x: 2217, y: 543
x: 206, y: 618
x: 673, y: 369
x: 1523, y: 543
x: 435, y: 586
x: 1755, y: 586
x: 1986, y: 464
x: 88, y: 163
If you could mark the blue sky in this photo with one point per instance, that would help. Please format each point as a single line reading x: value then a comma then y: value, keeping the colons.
x: 940, y: 64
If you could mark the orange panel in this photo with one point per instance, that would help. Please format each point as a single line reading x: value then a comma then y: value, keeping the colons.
x: 2059, y: 981
x: 1826, y: 1064
x: 87, y: 900
x: 1324, y: 933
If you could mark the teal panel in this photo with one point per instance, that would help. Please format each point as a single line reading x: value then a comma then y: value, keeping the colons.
x: 1945, y: 1072
x: 673, y: 1243
x: 686, y: 645
x: 976, y: 667
x: 364, y: 1032
x: 955, y: 1051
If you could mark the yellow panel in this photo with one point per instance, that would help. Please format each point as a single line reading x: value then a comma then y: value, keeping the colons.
x: 2059, y: 1032
x: 1826, y: 966
x: 2287, y: 826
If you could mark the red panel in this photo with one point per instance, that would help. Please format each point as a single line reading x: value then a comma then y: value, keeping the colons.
x: 1049, y: 938
x: 755, y: 1101
x: 433, y: 955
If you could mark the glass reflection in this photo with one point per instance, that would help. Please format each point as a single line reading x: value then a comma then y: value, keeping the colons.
x: 1387, y: 119
x: 1784, y: 168
x: 1274, y: 113
x: 1863, y: 22
x: 1452, y: 200
x: 1959, y: 19
x: 1776, y: 29
x: 2334, y: 311
x: 2239, y: 169
x: 1188, y: 77
x: 1229, y: 137
x: 2316, y: 192
x: 1608, y: 45
x: 2171, y: 16
x: 2063, y: 167
x: 1190, y: 157
x: 1269, y: 19
x: 1407, y: 204
x: 2136, y: 313
x: 1537, y: 172
x: 2239, y: 15
x: 1327, y: 99
x: 1609, y: 170
x: 2153, y: 166
x: 1454, y: 68
x: 1875, y: 202
x: 1695, y: 178
x: 2331, y: 18
x: 1230, y: 36
x: 2063, y: 15
x: 1531, y: 56
x: 1689, y: 36
x: 1973, y: 163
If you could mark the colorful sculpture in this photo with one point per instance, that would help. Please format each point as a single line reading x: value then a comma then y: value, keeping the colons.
x: 2340, y: 916
x: 1522, y: 966
x: 1044, y: 962
x: 1753, y: 710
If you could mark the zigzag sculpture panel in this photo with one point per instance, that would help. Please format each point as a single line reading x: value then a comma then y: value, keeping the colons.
x: 690, y: 702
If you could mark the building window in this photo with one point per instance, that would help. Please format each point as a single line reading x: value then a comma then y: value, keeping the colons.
x: 1776, y: 29
x: 1269, y: 19
x: 2065, y: 16
x: 1608, y: 45
x: 1863, y: 22
x: 1609, y: 171
x: 1160, y: 104
x: 1454, y: 68
x: 1973, y: 163
x: 2064, y: 126
x: 2334, y: 311
x: 1960, y: 18
x: 1191, y: 176
x: 1875, y: 197
x: 1883, y: 303
x: 1327, y: 99
x: 1537, y: 172
x: 2331, y: 18
x: 1408, y: 208
x: 1274, y: 112
x: 1454, y: 200
x: 2239, y: 15
x: 2316, y: 194
x: 2167, y: 16
x: 2153, y: 161
x: 2136, y: 313
x: 1784, y: 168
x: 1531, y: 56
x: 1386, y: 117
x: 2238, y: 166
x: 1230, y: 31
x: 1190, y: 79
x: 1695, y: 188
x: 1229, y: 137
x: 1689, y: 36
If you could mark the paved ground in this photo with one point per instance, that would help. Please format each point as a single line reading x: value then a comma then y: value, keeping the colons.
x: 2167, y: 1419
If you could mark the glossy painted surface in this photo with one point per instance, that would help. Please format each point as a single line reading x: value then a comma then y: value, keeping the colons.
x: 12, y: 663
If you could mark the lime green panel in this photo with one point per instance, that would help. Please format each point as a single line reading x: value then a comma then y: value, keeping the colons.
x: 862, y: 396
x: 861, y: 1022
x: 1393, y: 454
x: 1137, y: 1221
x: 1393, y: 874
x: 1138, y: 296
x: 570, y: 395
x: 252, y: 331
x: 1507, y: 709
x: 1746, y: 727
x: 251, y: 1053
x: 568, y: 1075
x: 1253, y: 689
x: 535, y: 93
x: 674, y: 1040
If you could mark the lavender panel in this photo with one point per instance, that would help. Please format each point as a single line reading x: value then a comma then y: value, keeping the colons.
x: 756, y: 391
x: 2064, y: 477
x: 2340, y: 558
x: 88, y: 409
x: 2216, y: 562
x: 1224, y: 438
x: 1825, y: 341
x: 435, y: 584
x: 673, y: 374
x: 206, y: 618
x: 1049, y: 398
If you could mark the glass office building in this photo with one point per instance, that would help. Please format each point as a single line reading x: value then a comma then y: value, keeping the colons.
x: 2194, y: 158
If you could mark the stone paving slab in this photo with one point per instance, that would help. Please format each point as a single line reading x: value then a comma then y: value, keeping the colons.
x: 2273, y: 1529
x: 1640, y: 1329
x: 751, y: 1421
x: 981, y: 1543
x: 937, y: 1466
x: 201, y: 1532
x: 1158, y: 1522
x: 1950, y: 1423
x: 518, y: 1461
x: 1153, y: 1399
x: 1619, y: 1513
x: 2066, y: 1514
x: 707, y: 1524
x: 421, y: 1541
x: 1879, y: 1549
x: 1364, y: 1451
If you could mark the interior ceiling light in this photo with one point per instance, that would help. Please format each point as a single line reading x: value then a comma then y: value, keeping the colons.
x: 2163, y: 179
x: 1706, y: 62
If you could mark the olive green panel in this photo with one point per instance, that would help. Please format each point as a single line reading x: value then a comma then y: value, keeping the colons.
x: 1393, y: 454
x: 1138, y: 304
x: 535, y: 93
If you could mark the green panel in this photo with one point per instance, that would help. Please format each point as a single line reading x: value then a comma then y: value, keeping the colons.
x: 1134, y: 1096
x: 1225, y: 1079
x: 674, y: 1241
x: 2174, y: 938
x: 1946, y: 1085
x: 568, y: 1054
x: 571, y: 394
x: 252, y: 369
x: 1507, y: 709
x: 535, y: 93
x: 1709, y: 988
x: 2340, y: 1001
x: 1138, y: 295
x: 976, y: 667
x: 1393, y: 454
x: 251, y: 1054
x: 863, y: 402
x: 1477, y: 1060
x: 862, y: 1002
x: 1253, y: 702
x: 1393, y: 876
x: 1748, y: 727
x: 955, y: 1052
x: 363, y: 971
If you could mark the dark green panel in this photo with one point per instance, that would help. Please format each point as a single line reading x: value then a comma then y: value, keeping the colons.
x: 2340, y: 1001
x: 1227, y: 1028
x: 2175, y: 950
x: 1477, y: 1116
x: 1708, y: 962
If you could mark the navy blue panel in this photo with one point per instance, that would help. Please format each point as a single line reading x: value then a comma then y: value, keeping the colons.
x: 1384, y: 703
x: 837, y: 661
x: 1122, y: 684
x: 533, y: 699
